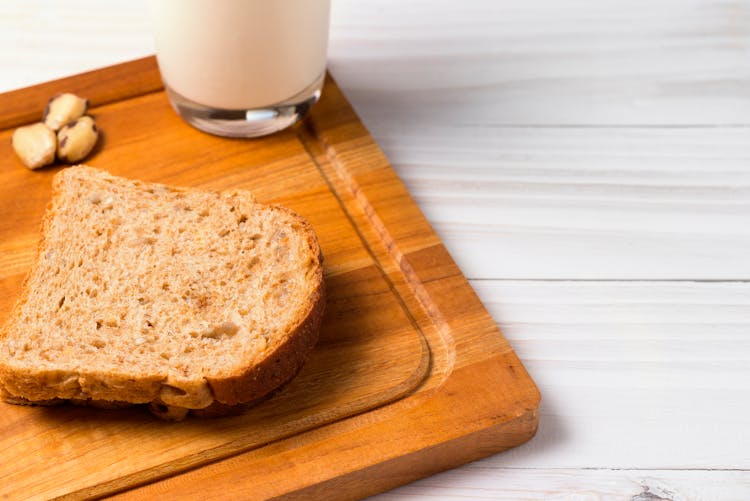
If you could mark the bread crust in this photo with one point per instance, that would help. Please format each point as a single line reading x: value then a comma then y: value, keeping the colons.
x: 281, y: 365
x: 227, y: 393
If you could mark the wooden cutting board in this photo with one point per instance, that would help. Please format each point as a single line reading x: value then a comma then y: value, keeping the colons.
x: 411, y: 375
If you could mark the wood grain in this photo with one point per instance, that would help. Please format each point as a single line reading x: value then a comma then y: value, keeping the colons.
x: 629, y: 371
x: 69, y: 40
x: 583, y: 203
x: 544, y: 484
x: 570, y: 62
x: 404, y: 342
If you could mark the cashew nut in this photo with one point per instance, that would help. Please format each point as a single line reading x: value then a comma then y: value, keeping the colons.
x: 76, y: 139
x: 35, y: 145
x: 64, y: 108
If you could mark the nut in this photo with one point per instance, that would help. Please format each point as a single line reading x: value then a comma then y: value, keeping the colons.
x: 35, y: 145
x: 76, y: 139
x: 64, y: 108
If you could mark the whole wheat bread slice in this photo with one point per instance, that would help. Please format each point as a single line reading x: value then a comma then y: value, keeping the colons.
x: 144, y: 293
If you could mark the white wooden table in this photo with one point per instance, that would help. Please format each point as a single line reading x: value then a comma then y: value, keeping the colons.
x: 587, y: 162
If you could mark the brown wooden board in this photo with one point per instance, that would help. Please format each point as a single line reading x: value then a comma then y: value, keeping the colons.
x: 411, y: 375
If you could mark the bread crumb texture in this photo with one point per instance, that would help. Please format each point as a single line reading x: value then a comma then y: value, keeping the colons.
x: 143, y: 292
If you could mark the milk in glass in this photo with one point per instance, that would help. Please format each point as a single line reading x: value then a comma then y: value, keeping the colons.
x: 241, y: 61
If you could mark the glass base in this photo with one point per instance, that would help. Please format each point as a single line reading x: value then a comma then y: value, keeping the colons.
x: 246, y: 123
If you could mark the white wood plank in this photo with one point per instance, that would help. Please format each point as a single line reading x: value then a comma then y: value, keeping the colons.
x: 593, y: 203
x: 42, y: 40
x: 632, y: 374
x: 545, y: 62
x: 478, y: 482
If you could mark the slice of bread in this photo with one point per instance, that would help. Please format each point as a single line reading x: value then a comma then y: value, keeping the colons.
x: 144, y: 293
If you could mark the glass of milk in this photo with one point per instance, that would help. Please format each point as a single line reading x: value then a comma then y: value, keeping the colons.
x: 241, y: 68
